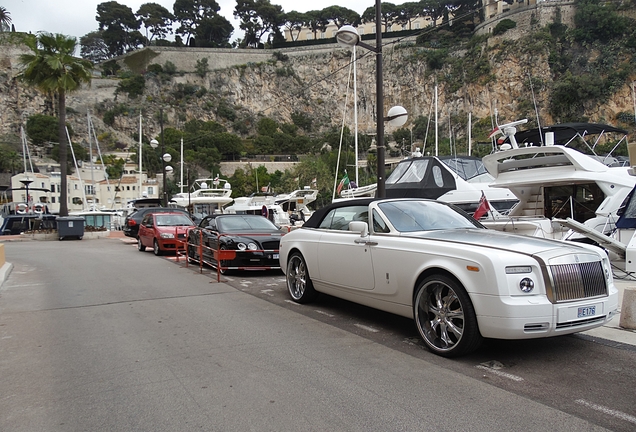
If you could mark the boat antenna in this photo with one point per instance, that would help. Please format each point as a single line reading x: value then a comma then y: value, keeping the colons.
x: 536, y: 111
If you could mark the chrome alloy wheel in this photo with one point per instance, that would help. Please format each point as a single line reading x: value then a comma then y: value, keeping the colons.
x: 439, y: 314
x: 299, y: 284
x: 296, y: 277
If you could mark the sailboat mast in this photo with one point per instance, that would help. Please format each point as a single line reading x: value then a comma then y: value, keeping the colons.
x: 181, y: 181
x: 140, y: 147
x: 90, y: 152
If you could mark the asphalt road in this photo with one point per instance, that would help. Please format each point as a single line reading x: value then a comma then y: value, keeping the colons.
x: 97, y: 336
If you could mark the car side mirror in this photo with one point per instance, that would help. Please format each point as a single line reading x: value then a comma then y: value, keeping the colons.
x: 359, y: 227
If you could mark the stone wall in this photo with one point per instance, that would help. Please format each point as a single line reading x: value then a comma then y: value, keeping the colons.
x: 530, y: 17
x: 218, y: 58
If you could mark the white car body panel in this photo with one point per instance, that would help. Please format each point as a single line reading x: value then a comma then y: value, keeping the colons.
x: 384, y: 270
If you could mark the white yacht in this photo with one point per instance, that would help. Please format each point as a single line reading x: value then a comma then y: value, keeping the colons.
x: 556, y: 183
x: 460, y: 180
x: 207, y: 196
x: 261, y: 204
x: 296, y: 203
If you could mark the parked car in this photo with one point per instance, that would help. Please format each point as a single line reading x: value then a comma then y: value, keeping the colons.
x: 131, y: 224
x: 246, y: 242
x: 164, y: 232
x: 459, y: 281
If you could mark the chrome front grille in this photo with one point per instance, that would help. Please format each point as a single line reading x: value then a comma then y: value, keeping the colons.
x: 577, y: 281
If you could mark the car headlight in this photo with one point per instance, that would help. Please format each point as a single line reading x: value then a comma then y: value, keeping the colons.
x: 251, y: 246
x: 167, y: 235
x: 526, y: 285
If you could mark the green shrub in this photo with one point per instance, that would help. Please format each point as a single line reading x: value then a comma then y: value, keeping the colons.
x: 503, y: 26
x: 133, y: 86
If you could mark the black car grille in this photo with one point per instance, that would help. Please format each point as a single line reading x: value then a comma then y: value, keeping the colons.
x: 271, y: 245
x: 577, y: 281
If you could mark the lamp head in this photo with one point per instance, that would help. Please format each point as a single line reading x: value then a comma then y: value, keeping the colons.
x: 397, y: 116
x: 347, y: 36
x: 167, y: 157
x: 169, y: 169
x: 154, y: 143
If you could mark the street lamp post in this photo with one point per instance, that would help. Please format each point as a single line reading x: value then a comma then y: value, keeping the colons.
x: 165, y: 169
x: 348, y: 36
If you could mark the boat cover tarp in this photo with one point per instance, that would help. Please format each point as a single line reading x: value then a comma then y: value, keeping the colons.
x: 563, y: 132
x: 423, y: 177
x: 627, y: 213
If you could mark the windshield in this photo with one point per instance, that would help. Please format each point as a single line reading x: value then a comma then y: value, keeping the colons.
x: 421, y: 215
x: 466, y: 168
x: 173, y: 220
x: 240, y: 223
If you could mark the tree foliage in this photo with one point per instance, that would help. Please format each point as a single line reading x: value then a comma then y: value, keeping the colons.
x: 257, y: 18
x: 52, y: 68
x: 156, y: 19
x: 119, y: 27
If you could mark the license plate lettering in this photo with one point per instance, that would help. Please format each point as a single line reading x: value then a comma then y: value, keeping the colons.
x: 276, y: 256
x: 586, y: 311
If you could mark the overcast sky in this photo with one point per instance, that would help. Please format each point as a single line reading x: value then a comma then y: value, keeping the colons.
x: 77, y: 17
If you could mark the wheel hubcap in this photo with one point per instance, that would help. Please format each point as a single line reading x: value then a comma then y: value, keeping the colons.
x: 440, y: 316
x: 296, y: 278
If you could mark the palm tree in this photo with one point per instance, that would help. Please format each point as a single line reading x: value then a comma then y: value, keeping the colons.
x: 52, y: 68
x: 5, y: 20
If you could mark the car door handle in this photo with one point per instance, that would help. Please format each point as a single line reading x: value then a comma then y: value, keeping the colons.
x: 365, y: 242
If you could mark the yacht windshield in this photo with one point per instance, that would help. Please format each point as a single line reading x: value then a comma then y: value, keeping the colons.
x: 466, y: 168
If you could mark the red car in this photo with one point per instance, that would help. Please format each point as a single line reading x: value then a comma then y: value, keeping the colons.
x: 164, y: 232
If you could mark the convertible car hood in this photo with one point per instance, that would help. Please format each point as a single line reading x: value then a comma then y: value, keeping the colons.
x: 498, y: 240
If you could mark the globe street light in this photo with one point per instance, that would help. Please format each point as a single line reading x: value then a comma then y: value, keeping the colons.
x: 348, y: 36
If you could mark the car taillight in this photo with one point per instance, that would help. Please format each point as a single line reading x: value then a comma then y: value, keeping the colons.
x: 131, y: 222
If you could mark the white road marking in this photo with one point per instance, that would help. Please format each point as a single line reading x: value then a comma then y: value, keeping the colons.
x: 367, y: 328
x: 293, y: 302
x: 500, y: 373
x: 268, y: 292
x: 609, y: 411
x: 325, y: 313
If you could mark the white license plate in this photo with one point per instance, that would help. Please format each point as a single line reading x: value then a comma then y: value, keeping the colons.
x: 276, y: 256
x: 586, y: 311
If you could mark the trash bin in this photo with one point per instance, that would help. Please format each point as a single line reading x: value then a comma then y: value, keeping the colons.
x: 70, y: 226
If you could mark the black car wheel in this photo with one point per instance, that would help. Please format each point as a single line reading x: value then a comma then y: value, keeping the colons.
x: 445, y: 317
x: 299, y: 285
x: 155, y: 247
x: 140, y: 245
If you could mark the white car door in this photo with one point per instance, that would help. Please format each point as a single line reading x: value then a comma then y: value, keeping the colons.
x: 343, y: 260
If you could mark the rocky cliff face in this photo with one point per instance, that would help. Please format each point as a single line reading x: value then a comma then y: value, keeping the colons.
x: 316, y: 83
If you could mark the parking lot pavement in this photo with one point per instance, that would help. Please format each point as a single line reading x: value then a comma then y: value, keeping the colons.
x: 610, y: 331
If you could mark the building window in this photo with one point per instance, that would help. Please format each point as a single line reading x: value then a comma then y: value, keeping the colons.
x: 151, y: 190
x: 52, y: 200
x: 108, y: 188
x: 310, y: 36
x: 417, y: 25
x: 323, y: 35
x: 133, y: 187
x: 52, y: 188
x: 127, y: 187
x: 333, y: 33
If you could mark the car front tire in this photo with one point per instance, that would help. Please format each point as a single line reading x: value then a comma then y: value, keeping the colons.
x: 299, y: 285
x: 445, y: 317
x: 140, y: 245
x: 155, y: 248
